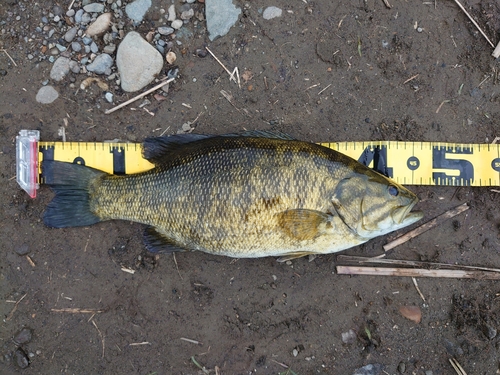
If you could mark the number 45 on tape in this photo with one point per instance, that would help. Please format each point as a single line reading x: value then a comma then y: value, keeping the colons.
x: 408, y: 163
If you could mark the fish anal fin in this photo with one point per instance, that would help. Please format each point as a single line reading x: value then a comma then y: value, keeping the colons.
x: 156, y: 242
x: 302, y: 224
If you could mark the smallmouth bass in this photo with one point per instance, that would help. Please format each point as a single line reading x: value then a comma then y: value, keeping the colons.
x: 246, y: 195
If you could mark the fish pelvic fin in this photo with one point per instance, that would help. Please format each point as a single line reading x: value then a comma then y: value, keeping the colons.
x: 156, y: 242
x: 302, y: 224
x: 71, y: 204
x: 295, y: 255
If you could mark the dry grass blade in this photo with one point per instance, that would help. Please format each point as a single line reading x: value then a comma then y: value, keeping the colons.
x: 77, y: 311
x: 11, y: 314
x: 456, y: 366
x: 475, y: 23
x: 425, y: 227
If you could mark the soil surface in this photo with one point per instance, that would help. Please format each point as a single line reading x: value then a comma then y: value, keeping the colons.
x: 324, y: 71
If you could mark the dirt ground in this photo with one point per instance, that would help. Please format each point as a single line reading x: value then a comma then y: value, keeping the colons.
x: 252, y: 315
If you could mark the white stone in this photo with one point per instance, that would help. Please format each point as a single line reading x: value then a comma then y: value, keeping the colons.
x: 137, y: 61
x: 137, y: 9
x: 177, y: 24
x: 171, y: 13
x: 271, y: 12
x: 100, y: 25
x: 60, y: 69
x: 46, y: 95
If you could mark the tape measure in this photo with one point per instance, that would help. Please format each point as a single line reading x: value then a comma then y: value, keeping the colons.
x: 407, y: 163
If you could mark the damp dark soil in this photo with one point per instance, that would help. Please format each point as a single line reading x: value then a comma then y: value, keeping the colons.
x: 323, y: 71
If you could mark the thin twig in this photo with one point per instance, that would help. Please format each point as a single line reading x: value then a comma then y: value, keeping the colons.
x: 444, y: 101
x: 474, y: 22
x: 191, y: 341
x: 418, y: 289
x: 456, y: 366
x: 139, y: 343
x: 11, y: 314
x: 425, y: 227
x: 177, y: 267
x: 101, y: 335
x: 107, y: 112
x: 11, y: 59
x: 416, y: 272
x: 387, y: 4
x: 409, y: 79
x: 319, y: 93
x: 231, y: 75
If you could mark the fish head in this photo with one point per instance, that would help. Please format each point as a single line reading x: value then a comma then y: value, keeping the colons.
x: 372, y: 205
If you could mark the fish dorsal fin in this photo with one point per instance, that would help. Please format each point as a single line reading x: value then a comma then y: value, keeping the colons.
x: 157, y: 149
x: 302, y: 224
x: 156, y: 242
x: 273, y: 134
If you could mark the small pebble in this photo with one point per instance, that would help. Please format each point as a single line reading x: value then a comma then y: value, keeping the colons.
x: 109, y: 97
x: 271, y: 12
x: 75, y: 46
x: 165, y: 30
x: 24, y: 336
x: 402, y: 367
x: 94, y: 8
x: 70, y: 13
x: 93, y: 47
x: 177, y: 24
x: 21, y: 358
x: 70, y: 34
x: 46, y: 95
x: 22, y: 249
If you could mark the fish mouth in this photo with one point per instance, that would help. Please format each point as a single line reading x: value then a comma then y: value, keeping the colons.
x: 404, y: 215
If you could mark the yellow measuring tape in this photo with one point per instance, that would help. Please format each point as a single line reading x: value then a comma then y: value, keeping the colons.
x: 408, y: 163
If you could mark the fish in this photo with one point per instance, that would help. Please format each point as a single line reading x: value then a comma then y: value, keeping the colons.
x: 248, y: 195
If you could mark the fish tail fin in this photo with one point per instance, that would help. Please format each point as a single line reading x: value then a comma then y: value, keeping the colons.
x: 71, y: 204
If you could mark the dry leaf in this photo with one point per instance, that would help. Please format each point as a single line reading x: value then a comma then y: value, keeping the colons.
x: 411, y: 312
x: 247, y: 75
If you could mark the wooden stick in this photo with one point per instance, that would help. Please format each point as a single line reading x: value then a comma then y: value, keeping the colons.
x: 474, y: 22
x: 11, y: 314
x: 107, y: 112
x: 386, y: 2
x: 425, y: 227
x: 413, y: 263
x: 231, y: 75
x: 416, y: 272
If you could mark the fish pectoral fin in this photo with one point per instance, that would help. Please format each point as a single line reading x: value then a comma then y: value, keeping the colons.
x: 302, y: 224
x: 157, y: 242
x: 298, y: 254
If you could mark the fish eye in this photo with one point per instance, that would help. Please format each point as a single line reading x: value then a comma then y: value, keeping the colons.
x: 393, y: 190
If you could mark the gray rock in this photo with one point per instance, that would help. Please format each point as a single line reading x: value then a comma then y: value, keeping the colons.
x: 59, y: 69
x: 74, y: 67
x: 22, y: 360
x: 86, y: 40
x: 86, y: 18
x: 109, y: 49
x: 70, y: 34
x: 220, y: 15
x: 22, y: 249
x: 94, y: 8
x: 46, y: 95
x: 70, y: 13
x: 271, y: 12
x: 171, y: 13
x: 187, y: 14
x: 109, y: 97
x: 93, y: 47
x: 137, y: 61
x: 75, y: 46
x: 23, y: 336
x: 78, y: 15
x: 100, y: 64
x: 165, y: 30
x: 371, y: 369
x: 137, y: 9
